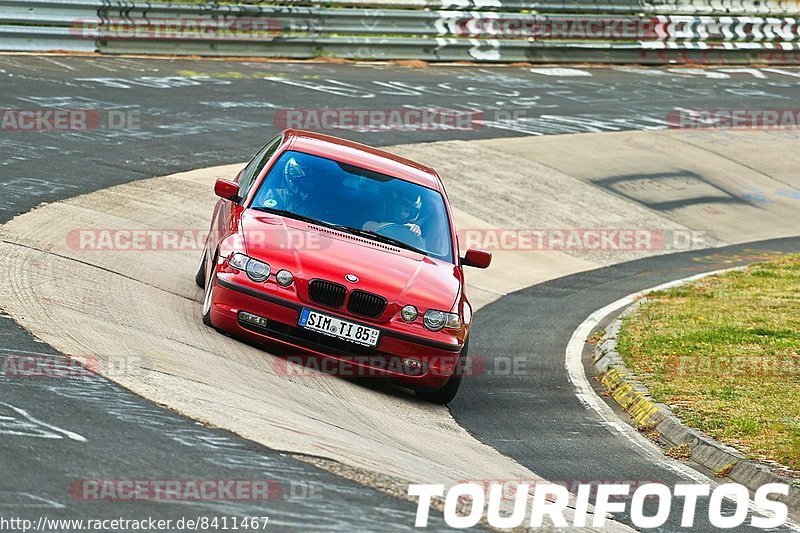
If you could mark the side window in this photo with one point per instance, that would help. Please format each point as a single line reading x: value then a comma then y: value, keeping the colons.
x: 254, y: 167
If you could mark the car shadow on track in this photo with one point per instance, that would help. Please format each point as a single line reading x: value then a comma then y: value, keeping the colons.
x: 291, y: 364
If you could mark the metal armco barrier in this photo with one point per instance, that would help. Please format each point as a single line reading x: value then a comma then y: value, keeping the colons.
x: 604, y: 31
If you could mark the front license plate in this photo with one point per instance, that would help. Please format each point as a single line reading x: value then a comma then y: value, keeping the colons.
x: 336, y: 327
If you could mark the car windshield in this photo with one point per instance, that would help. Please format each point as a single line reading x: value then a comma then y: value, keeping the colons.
x: 358, y: 201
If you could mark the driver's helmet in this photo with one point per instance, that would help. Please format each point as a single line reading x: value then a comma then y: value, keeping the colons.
x: 405, y: 206
x: 295, y: 176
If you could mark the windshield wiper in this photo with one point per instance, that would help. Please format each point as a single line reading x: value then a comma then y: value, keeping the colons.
x: 378, y: 237
x: 341, y: 227
x: 291, y: 214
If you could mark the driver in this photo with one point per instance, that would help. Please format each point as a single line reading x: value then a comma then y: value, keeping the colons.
x: 294, y: 195
x: 403, y: 208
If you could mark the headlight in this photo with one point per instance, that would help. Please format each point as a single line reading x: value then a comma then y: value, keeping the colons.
x: 409, y: 313
x: 257, y: 270
x: 435, y: 320
x: 284, y: 278
x: 239, y: 261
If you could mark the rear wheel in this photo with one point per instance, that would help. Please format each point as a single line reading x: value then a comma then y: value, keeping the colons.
x: 447, y: 393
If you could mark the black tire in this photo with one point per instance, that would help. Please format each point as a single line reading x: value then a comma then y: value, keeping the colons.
x: 200, y: 277
x: 447, y: 393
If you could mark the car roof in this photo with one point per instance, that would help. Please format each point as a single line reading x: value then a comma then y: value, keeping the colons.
x: 363, y: 156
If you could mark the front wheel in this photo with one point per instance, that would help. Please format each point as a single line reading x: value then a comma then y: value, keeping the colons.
x: 209, y: 286
x: 447, y: 393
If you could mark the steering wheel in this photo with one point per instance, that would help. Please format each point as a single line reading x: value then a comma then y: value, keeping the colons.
x: 401, y: 232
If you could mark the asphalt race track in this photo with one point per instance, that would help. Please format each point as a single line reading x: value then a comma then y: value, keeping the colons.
x: 194, y: 114
x: 129, y: 438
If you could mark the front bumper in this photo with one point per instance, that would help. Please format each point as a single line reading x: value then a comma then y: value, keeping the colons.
x: 437, y: 360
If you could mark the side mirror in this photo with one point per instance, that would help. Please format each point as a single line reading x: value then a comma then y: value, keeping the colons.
x: 477, y: 258
x: 227, y: 189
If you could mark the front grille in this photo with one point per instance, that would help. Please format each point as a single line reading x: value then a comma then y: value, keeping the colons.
x: 366, y: 304
x: 327, y: 293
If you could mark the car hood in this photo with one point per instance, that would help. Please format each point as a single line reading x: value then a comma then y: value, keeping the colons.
x: 313, y: 251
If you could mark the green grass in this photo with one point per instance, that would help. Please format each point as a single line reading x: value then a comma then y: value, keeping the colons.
x: 724, y: 354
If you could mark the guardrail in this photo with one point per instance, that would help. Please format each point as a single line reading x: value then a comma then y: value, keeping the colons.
x: 608, y: 31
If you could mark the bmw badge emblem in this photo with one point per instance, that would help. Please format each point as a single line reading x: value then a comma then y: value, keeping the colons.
x: 352, y: 278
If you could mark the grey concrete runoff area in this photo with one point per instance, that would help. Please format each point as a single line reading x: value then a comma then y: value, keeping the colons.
x: 553, y: 149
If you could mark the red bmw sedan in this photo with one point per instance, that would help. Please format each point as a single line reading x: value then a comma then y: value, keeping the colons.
x: 339, y: 251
